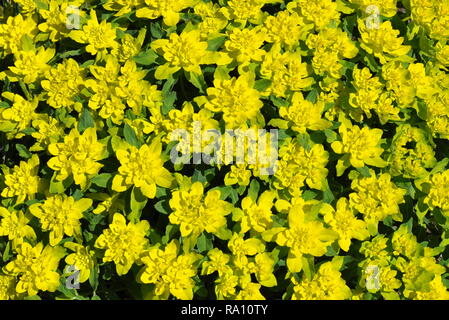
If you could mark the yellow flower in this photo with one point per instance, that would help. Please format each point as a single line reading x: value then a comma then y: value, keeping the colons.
x: 383, y: 42
x: 375, y: 252
x: 15, y: 225
x: 82, y: 259
x: 36, y: 268
x: 344, y: 223
x: 326, y: 284
x: 238, y: 174
x: 387, y: 8
x: 61, y: 216
x: 196, y: 213
x: 185, y: 51
x: 77, y: 156
x: 124, y: 243
x: 98, y: 36
x: 13, y: 30
x: 48, y: 131
x: 411, y: 152
x: 142, y: 168
x: 129, y: 46
x: 359, y: 147
x: 122, y: 6
x: 171, y: 273
x: 30, y: 65
x: 376, y: 198
x: 304, y: 235
x: 168, y: 9
x: 235, y: 98
x: 438, y: 196
x: 23, y: 181
x: 257, y: 215
x: 7, y: 287
x: 243, y: 45
x: 303, y: 114
x: 63, y: 83
x: 18, y: 117
x: 251, y: 291
x: 319, y: 12
x: 437, y: 291
x: 245, y: 10
x: 432, y: 16
x: 404, y: 242
x: 218, y: 261
x: 285, y: 28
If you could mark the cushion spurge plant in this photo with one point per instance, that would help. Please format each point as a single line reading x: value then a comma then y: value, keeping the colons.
x: 224, y: 149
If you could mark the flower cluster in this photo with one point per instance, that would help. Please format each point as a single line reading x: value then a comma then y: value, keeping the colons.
x: 98, y: 96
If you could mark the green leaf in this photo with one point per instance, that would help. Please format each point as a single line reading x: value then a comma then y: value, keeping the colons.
x: 102, y: 179
x: 86, y: 121
x: 162, y: 207
x: 262, y: 85
x: 146, y: 58
x: 197, y: 80
x: 130, y: 136
x: 59, y: 186
x: 253, y: 191
x: 138, y: 202
x: 215, y: 44
x: 23, y: 151
x: 204, y: 243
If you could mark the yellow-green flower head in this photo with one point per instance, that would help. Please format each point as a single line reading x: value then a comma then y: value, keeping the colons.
x: 61, y: 216
x: 77, y: 156
x: 36, y: 268
x: 375, y: 252
x: 13, y: 30
x: 303, y: 114
x: 23, y: 181
x: 376, y: 198
x: 238, y: 174
x: 48, y: 131
x: 436, y: 291
x: 432, y: 16
x: 343, y: 221
x: 218, y: 261
x: 286, y: 71
x: 7, y: 287
x: 14, y: 225
x: 185, y: 51
x: 98, y: 36
x: 411, y: 152
x: 123, y: 6
x: 18, y: 117
x: 359, y: 146
x: 55, y: 18
x: 62, y: 83
x: 195, y: 212
x: 243, y: 45
x: 213, y: 19
x: 251, y: 291
x: 171, y: 273
x: 438, y: 196
x: 168, y: 9
x: 129, y: 46
x: 236, y: 98
x: 225, y: 286
x: 124, y: 243
x: 404, y: 242
x: 26, y: 6
x: 418, y: 272
x: 318, y: 12
x: 299, y: 165
x: 326, y: 284
x: 257, y: 215
x: 285, y: 29
x: 383, y: 42
x: 243, y: 11
x: 82, y: 258
x: 143, y: 168
x: 442, y: 53
x: 399, y: 82
x: 304, y: 235
x: 30, y: 65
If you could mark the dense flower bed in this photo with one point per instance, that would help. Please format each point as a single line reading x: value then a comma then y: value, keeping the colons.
x: 94, y: 206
